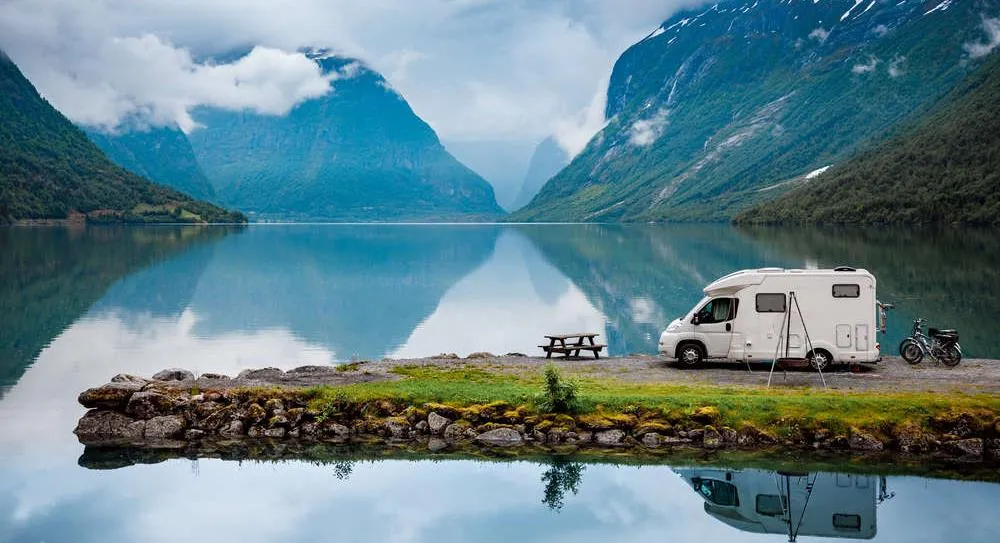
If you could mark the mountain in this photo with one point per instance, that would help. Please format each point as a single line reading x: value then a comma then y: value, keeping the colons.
x: 722, y: 102
x: 501, y: 163
x: 943, y: 168
x: 546, y: 161
x: 50, y: 170
x: 357, y: 154
x: 162, y: 154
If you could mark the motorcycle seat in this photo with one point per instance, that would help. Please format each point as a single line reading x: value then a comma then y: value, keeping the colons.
x: 936, y: 332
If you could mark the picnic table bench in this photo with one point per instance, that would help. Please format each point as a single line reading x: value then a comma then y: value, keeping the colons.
x: 557, y: 344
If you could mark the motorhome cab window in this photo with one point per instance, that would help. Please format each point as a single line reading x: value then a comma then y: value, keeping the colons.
x: 770, y: 303
x: 717, y: 310
x: 717, y: 492
x: 846, y: 291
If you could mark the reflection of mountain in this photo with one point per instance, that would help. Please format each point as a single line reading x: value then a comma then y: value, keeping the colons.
x: 49, y: 277
x: 641, y: 277
x: 792, y: 504
x: 359, y: 290
x: 947, y: 276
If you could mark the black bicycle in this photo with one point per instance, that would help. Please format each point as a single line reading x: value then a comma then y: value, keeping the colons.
x: 941, y: 345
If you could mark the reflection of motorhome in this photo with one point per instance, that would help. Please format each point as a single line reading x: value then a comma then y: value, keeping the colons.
x: 768, y: 502
x: 748, y: 315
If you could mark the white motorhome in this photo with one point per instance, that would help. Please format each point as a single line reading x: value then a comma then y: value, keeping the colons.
x: 794, y: 504
x: 754, y: 315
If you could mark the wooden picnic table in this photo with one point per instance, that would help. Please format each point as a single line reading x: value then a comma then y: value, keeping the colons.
x: 578, y: 342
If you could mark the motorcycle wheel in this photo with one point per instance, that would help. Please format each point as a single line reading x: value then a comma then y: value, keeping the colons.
x: 951, y: 356
x: 910, y: 351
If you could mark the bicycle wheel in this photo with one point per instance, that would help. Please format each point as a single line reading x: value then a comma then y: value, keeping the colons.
x: 951, y: 356
x: 910, y: 351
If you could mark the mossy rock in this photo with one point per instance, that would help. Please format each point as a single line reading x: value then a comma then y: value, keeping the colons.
x: 706, y: 415
x: 659, y: 427
x: 623, y: 421
x: 595, y: 422
x: 564, y: 420
x: 543, y: 426
x: 491, y: 426
x: 495, y: 410
x: 444, y: 410
x: 512, y: 416
x: 255, y: 413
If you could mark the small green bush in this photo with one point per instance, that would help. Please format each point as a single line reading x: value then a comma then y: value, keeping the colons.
x: 559, y: 395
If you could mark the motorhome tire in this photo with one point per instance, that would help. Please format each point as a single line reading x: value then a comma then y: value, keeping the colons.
x: 819, y: 359
x: 691, y: 353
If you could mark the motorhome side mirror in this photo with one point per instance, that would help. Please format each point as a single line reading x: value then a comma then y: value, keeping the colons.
x: 694, y: 319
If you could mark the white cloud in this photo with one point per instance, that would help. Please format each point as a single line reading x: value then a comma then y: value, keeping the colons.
x: 981, y: 49
x: 896, y: 68
x: 820, y: 34
x: 572, y: 133
x: 867, y: 67
x: 646, y: 131
x: 881, y: 30
x: 474, y: 69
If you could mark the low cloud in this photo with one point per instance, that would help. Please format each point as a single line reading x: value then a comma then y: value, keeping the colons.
x: 820, y: 34
x: 866, y: 68
x: 572, y: 133
x: 881, y: 30
x: 981, y: 49
x: 647, y: 131
x: 896, y: 68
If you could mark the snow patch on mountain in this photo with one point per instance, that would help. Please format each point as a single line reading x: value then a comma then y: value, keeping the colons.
x: 943, y: 6
x: 867, y: 67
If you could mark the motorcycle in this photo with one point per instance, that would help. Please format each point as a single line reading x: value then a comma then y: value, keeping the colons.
x: 941, y: 345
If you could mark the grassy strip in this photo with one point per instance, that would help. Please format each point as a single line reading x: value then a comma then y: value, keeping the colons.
x: 782, y: 410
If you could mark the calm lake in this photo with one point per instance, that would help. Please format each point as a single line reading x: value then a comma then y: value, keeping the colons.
x: 78, y: 306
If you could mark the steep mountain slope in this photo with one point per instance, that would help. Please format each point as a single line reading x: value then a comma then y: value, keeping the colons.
x: 721, y: 102
x: 944, y: 168
x: 358, y: 153
x: 546, y: 161
x: 161, y: 154
x: 50, y: 170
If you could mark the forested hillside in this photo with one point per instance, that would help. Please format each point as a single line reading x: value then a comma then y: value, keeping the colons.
x: 50, y: 170
x: 943, y: 168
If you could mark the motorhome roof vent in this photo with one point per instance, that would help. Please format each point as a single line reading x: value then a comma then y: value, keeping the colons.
x: 845, y: 269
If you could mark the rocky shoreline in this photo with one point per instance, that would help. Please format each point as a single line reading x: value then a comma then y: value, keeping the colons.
x: 173, y: 410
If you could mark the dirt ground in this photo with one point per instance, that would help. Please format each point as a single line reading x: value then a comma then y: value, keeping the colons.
x: 892, y: 374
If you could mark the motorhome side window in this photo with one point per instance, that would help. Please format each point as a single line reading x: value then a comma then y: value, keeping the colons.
x: 846, y: 291
x: 770, y: 303
x: 717, y: 310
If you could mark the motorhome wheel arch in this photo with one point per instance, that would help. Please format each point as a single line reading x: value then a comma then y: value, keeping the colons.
x: 748, y: 315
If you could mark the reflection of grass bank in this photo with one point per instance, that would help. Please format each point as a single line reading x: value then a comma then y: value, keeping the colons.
x: 341, y: 457
x: 803, y: 415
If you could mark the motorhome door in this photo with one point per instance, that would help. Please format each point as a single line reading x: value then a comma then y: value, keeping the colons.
x: 714, y: 325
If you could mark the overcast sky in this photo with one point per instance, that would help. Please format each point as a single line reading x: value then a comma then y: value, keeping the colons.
x: 513, y: 70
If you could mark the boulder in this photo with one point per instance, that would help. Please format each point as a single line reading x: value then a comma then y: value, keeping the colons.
x: 671, y: 440
x: 711, y: 439
x: 435, y: 444
x: 193, y: 434
x: 128, y: 378
x: 334, y: 431
x: 609, y: 437
x: 729, y: 435
x: 173, y: 374
x: 706, y: 415
x: 110, y: 396
x: 164, y: 427
x: 651, y: 439
x: 436, y: 423
x: 148, y: 404
x: 99, y: 426
x: 214, y: 376
x: 421, y: 426
x: 233, y: 429
x: 455, y: 431
x: 971, y: 447
x: 398, y: 428
x: 265, y: 374
x: 255, y: 431
x: 500, y: 436
x: 481, y: 355
x: 912, y: 438
x: 863, y: 441
x: 275, y: 432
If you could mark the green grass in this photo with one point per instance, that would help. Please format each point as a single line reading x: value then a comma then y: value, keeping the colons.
x: 763, y: 408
